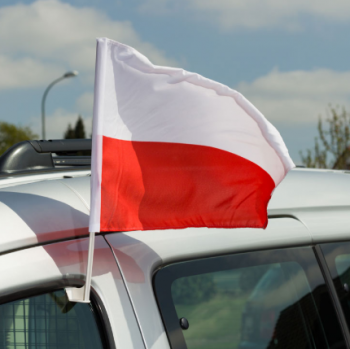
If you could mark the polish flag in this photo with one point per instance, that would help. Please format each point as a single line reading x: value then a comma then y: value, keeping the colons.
x: 172, y: 149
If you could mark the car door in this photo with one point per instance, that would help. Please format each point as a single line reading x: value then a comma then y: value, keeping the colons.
x: 221, y: 288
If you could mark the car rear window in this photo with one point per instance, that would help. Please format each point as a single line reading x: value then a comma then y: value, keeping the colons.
x: 269, y: 299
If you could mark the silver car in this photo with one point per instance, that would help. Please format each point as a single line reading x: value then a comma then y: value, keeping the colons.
x: 283, y: 287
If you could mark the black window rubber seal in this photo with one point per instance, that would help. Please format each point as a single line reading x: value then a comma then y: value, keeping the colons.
x: 333, y: 293
x: 98, y: 308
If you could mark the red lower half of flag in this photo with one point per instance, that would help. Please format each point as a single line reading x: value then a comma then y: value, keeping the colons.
x: 155, y: 185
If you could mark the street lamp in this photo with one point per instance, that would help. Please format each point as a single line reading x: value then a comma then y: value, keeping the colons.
x: 69, y: 74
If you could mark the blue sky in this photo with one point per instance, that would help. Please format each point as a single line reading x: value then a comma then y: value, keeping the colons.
x: 291, y: 59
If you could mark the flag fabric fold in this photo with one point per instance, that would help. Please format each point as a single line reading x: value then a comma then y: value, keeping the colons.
x: 172, y: 149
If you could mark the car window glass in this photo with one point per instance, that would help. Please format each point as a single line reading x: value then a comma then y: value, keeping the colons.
x: 270, y: 299
x: 48, y: 321
x: 337, y: 256
x: 342, y: 264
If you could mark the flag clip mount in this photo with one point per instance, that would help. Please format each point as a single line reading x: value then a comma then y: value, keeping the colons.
x: 82, y: 294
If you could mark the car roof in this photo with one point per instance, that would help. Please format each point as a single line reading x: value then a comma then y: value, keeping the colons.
x: 42, y: 208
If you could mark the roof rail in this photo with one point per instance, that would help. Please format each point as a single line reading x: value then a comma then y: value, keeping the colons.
x: 37, y: 155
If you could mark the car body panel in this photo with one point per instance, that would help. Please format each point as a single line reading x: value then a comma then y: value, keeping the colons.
x: 318, y: 198
x: 139, y: 254
x: 10, y: 180
x: 321, y: 202
x: 40, y: 212
x: 308, y: 188
x: 81, y: 186
x: 310, y: 206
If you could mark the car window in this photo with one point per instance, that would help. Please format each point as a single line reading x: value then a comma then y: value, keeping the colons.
x: 258, y: 300
x: 48, y: 321
x: 338, y: 260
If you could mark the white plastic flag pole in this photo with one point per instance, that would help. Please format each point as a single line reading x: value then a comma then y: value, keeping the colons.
x: 82, y: 294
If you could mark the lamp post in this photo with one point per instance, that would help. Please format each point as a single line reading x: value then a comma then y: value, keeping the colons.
x: 69, y: 74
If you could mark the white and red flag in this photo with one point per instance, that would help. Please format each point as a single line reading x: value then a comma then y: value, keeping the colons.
x: 172, y: 149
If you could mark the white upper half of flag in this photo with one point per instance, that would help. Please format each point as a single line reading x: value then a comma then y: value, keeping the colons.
x: 138, y: 101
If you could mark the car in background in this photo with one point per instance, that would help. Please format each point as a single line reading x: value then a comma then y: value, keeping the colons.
x: 283, y: 287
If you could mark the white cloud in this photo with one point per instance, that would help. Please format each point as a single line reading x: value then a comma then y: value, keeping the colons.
x: 254, y: 14
x: 85, y: 103
x: 297, y: 96
x: 57, y: 123
x: 50, y: 36
x: 160, y: 7
x: 26, y: 72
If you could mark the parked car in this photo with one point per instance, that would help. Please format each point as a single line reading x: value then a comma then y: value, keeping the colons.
x: 283, y: 287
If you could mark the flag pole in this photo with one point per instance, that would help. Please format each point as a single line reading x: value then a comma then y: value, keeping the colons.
x: 89, y: 267
x: 82, y: 294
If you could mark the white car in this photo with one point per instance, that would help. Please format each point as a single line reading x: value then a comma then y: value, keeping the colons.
x: 284, y: 287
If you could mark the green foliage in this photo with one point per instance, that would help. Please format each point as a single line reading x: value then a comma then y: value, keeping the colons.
x: 193, y: 289
x: 80, y: 128
x: 11, y: 134
x: 77, y: 132
x: 333, y: 141
x: 70, y: 133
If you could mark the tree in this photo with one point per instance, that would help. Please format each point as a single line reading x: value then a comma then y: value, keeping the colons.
x: 11, y: 134
x: 80, y: 128
x: 69, y: 134
x: 77, y: 132
x: 332, y: 146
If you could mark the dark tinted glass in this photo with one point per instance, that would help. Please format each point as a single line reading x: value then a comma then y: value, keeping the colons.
x: 338, y: 260
x: 258, y: 300
x: 48, y: 321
